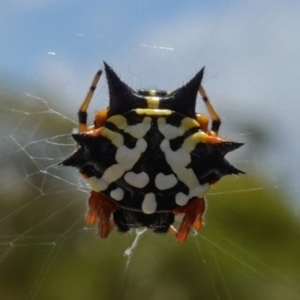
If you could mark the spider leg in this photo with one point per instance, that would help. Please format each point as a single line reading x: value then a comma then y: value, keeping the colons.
x: 82, y: 114
x: 173, y: 230
x: 216, y: 122
x: 101, y: 208
x: 203, y: 122
x: 193, y: 213
x: 100, y: 118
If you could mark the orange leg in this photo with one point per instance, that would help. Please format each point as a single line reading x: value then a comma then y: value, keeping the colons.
x: 216, y: 122
x: 193, y: 212
x: 82, y: 114
x: 203, y: 122
x: 100, y: 117
x: 101, y: 208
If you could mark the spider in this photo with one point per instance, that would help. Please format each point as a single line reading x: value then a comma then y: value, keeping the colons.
x: 149, y: 157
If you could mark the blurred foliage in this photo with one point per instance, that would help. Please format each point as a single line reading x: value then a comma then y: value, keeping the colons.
x: 248, y: 249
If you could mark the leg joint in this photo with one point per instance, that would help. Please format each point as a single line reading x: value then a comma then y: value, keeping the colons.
x: 82, y: 117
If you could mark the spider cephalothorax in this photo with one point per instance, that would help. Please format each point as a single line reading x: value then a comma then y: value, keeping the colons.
x: 150, y: 156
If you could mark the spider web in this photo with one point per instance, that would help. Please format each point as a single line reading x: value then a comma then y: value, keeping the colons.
x: 249, y: 247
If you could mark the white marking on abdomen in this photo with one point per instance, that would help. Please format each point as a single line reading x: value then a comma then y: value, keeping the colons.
x: 178, y: 160
x: 137, y: 180
x: 149, y: 203
x: 164, y: 182
x: 113, y: 173
x: 199, y: 191
x: 181, y: 199
x: 117, y: 194
x: 139, y: 130
x: 175, y: 158
x: 169, y: 131
x: 126, y: 158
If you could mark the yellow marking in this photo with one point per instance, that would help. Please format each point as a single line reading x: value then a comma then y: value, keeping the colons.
x: 190, y: 142
x: 116, y: 138
x: 97, y: 184
x: 170, y: 131
x: 119, y: 121
x: 153, y: 112
x: 188, y: 123
x: 152, y: 92
x: 152, y: 101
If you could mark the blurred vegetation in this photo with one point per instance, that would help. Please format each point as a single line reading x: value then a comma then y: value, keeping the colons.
x: 248, y: 249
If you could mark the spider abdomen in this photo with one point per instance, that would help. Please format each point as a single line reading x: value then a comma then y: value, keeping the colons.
x: 158, y: 162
